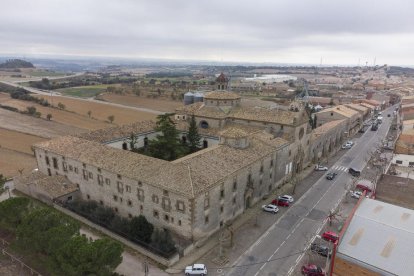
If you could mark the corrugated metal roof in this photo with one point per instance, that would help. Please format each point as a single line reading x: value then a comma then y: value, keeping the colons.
x: 380, y: 237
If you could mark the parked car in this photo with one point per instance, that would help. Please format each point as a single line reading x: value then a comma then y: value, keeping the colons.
x: 312, y: 270
x: 280, y: 202
x: 349, y: 143
x: 320, y: 249
x: 354, y: 172
x: 346, y: 146
x: 320, y: 168
x: 270, y: 208
x: 286, y: 197
x: 356, y: 194
x: 330, y: 236
x: 196, y: 269
x: 330, y: 176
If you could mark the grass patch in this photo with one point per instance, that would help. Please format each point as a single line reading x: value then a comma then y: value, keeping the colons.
x: 83, y: 91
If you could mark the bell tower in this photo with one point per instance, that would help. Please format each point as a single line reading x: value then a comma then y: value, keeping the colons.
x: 222, y: 82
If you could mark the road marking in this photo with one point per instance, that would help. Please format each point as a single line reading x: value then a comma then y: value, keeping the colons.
x: 291, y: 270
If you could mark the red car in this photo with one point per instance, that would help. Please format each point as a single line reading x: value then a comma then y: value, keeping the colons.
x: 312, y: 270
x: 280, y: 202
x: 330, y: 236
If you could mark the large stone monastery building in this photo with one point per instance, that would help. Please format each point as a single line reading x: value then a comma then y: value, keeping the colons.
x: 248, y: 152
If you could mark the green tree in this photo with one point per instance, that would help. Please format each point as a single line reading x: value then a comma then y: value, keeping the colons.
x: 82, y: 257
x: 31, y: 110
x: 12, y: 211
x: 132, y: 141
x: 2, y: 182
x: 194, y: 138
x: 162, y: 240
x: 45, y: 230
x: 49, y: 116
x: 141, y: 229
x: 111, y: 118
x: 61, y: 106
x: 166, y: 146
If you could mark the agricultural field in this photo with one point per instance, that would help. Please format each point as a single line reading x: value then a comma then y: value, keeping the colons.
x: 101, y: 111
x: 60, y: 116
x: 17, y: 141
x: 12, y: 161
x: 84, y: 91
x: 163, y: 105
x: 35, y: 126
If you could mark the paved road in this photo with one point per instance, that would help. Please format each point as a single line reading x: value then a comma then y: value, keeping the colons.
x: 280, y: 248
x: 53, y: 93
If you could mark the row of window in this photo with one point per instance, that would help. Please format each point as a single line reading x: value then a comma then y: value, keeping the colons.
x: 155, y: 213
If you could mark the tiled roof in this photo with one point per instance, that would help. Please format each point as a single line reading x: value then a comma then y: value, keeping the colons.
x: 233, y: 132
x: 358, y: 107
x: 326, y: 127
x: 214, y: 165
x: 131, y: 165
x: 222, y: 78
x: 189, y: 109
x: 188, y: 176
x: 56, y: 186
x: 221, y: 95
x: 265, y: 115
x: 113, y: 133
x: 342, y: 110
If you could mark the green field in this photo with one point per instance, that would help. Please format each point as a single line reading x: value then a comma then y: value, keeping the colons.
x: 83, y: 91
x: 46, y: 74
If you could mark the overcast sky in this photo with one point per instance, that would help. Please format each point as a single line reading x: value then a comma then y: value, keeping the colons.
x: 275, y: 31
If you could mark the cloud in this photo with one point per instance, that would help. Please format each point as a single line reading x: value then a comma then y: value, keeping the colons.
x: 263, y: 31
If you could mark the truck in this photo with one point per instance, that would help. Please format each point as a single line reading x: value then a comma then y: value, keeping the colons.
x: 196, y: 269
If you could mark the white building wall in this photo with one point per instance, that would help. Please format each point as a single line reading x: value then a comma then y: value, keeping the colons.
x: 403, y: 160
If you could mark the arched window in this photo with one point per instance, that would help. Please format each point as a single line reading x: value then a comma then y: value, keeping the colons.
x: 203, y: 124
x: 205, y: 144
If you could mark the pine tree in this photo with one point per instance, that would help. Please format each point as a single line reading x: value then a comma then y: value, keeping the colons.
x: 194, y: 138
x: 166, y: 146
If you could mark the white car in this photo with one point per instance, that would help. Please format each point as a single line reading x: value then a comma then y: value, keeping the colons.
x: 320, y: 168
x: 196, y: 269
x: 287, y: 198
x: 346, y: 146
x: 270, y: 208
x: 356, y: 194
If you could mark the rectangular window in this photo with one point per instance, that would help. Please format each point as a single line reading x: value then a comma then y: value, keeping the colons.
x: 75, y: 169
x: 107, y: 181
x: 221, y: 209
x: 261, y: 168
x: 55, y: 163
x: 100, y: 179
x: 234, y: 185
x: 180, y: 206
x: 129, y: 202
x: 47, y: 160
x: 70, y: 168
x: 221, y: 193
x: 206, y: 219
x: 140, y: 194
x: 206, y: 203
x: 166, y: 218
x: 85, y: 174
x: 65, y: 166
x: 165, y: 192
x: 155, y: 199
x: 115, y: 197
x: 398, y: 162
x: 90, y: 175
x: 234, y: 201
x: 120, y: 187
x: 128, y: 188
x: 156, y: 214
x: 166, y: 204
